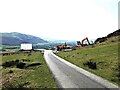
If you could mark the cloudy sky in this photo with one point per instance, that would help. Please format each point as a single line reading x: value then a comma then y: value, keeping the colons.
x: 60, y: 19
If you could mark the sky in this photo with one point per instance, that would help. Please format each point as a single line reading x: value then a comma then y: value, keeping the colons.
x: 60, y: 19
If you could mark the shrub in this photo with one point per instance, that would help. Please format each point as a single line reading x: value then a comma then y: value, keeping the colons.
x: 90, y: 64
x: 33, y: 64
x: 20, y: 65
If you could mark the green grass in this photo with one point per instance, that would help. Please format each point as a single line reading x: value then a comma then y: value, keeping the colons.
x: 32, y: 77
x: 9, y: 48
x: 106, y: 57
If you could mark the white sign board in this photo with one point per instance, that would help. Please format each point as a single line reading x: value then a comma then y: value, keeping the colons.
x: 26, y: 46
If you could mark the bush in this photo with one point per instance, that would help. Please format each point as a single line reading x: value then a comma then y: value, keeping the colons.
x: 21, y: 65
x: 10, y: 63
x: 34, y: 64
x: 10, y: 71
x: 90, y: 64
x: 7, y: 64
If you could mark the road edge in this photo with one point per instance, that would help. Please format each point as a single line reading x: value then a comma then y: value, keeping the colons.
x: 90, y: 75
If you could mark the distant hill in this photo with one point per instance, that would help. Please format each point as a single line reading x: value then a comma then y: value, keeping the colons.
x: 112, y: 37
x: 15, y: 39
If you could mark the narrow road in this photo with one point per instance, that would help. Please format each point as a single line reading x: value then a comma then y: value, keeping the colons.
x: 68, y: 75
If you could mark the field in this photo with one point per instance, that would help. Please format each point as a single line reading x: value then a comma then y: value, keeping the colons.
x: 104, y: 56
x: 7, y: 47
x: 34, y: 74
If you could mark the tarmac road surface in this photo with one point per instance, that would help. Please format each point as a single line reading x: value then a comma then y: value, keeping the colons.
x: 68, y: 75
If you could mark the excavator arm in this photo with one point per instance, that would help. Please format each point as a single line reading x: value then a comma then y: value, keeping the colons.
x: 84, y: 40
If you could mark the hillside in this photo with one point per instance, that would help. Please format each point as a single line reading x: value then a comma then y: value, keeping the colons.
x: 105, y: 57
x: 15, y: 39
x: 102, y: 57
x: 112, y: 37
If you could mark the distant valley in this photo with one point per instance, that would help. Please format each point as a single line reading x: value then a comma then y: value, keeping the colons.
x: 15, y: 39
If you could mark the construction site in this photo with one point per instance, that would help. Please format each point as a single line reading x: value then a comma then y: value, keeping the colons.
x: 79, y: 44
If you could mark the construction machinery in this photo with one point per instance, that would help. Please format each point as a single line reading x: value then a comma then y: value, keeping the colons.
x: 84, y: 40
x: 62, y: 47
x: 79, y: 44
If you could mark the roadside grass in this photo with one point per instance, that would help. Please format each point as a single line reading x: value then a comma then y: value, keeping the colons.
x: 105, y: 56
x: 9, y: 48
x: 33, y: 77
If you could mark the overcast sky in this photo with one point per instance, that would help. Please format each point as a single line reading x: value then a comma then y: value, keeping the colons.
x: 60, y: 19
